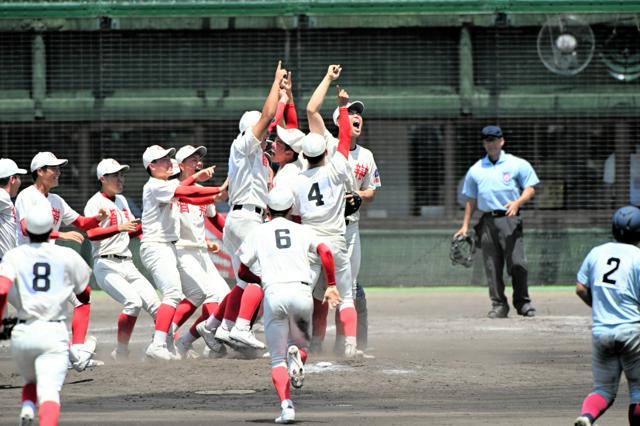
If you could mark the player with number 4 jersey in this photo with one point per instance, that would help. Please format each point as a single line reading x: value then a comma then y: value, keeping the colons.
x: 609, y: 282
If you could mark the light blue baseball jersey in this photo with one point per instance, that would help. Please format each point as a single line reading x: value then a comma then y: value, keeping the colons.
x: 612, y: 272
x: 494, y: 185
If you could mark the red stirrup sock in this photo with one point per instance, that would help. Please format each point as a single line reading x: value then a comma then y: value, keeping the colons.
x: 249, y: 304
x: 349, y: 321
x: 594, y: 405
x: 49, y: 413
x: 320, y: 313
x: 233, y: 304
x: 125, y: 328
x: 80, y: 323
x: 183, y: 311
x: 280, y: 378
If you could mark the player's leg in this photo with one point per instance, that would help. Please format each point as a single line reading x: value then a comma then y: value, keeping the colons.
x: 631, y: 366
x: 517, y: 264
x: 24, y: 354
x: 143, y: 288
x: 320, y: 309
x: 606, y: 376
x: 493, y: 264
x: 360, y: 299
x: 346, y: 326
x: 300, y: 308
x: 277, y: 333
x: 161, y: 261
x: 193, y: 279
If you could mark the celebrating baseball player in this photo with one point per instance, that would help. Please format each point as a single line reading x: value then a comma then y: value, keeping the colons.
x: 609, y: 282
x: 10, y: 182
x: 248, y: 185
x: 320, y: 201
x: 282, y: 249
x: 39, y: 279
x: 202, y: 284
x: 364, y: 182
x: 113, y: 265
x: 161, y: 228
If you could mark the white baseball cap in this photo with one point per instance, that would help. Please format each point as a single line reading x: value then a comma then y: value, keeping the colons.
x: 39, y: 219
x: 280, y: 198
x: 155, y: 152
x: 313, y: 145
x: 188, y: 151
x: 46, y: 158
x: 175, y: 168
x: 109, y: 166
x: 356, y: 106
x: 249, y: 119
x: 9, y: 168
x: 291, y: 137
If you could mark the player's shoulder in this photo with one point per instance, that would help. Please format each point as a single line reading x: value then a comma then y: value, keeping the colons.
x: 5, y: 198
x: 67, y: 255
x: 28, y: 192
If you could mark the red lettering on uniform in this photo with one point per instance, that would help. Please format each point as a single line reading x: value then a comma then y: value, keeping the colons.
x: 184, y: 207
x: 126, y: 214
x: 203, y: 210
x: 56, y: 215
x: 13, y: 213
x: 113, y: 217
x: 360, y: 171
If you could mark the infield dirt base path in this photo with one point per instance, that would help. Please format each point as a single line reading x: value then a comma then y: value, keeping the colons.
x: 439, y: 361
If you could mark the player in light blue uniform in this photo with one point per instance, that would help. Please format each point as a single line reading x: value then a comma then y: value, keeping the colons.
x: 609, y: 282
x: 499, y: 184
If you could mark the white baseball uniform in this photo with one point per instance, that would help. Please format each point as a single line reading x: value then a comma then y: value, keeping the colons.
x: 61, y: 211
x: 45, y: 276
x: 201, y: 281
x: 8, y: 223
x: 282, y: 249
x: 288, y: 174
x: 248, y: 177
x: 319, y: 201
x: 113, y: 266
x: 161, y: 230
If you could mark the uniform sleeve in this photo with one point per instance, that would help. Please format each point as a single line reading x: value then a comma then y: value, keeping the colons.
x: 311, y: 238
x: 470, y: 187
x: 372, y: 177
x: 7, y: 269
x: 339, y: 170
x: 125, y: 205
x: 211, y: 210
x: 78, y: 271
x: 247, y: 251
x: 246, y: 143
x: 163, y: 190
x: 20, y: 206
x: 67, y: 214
x: 91, y: 209
x: 295, y: 208
x: 5, y: 201
x: 584, y: 274
x: 527, y: 176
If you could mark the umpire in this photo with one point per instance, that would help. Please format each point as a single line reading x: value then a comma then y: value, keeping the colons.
x: 498, y: 185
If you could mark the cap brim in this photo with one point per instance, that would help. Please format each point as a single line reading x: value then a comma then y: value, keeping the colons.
x: 58, y: 162
x: 357, y: 106
x: 21, y: 172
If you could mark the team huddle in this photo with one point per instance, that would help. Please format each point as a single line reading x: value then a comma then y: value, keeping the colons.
x: 291, y: 231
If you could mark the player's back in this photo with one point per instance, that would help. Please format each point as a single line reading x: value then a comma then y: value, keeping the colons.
x: 282, y: 249
x: 612, y: 271
x: 45, y: 276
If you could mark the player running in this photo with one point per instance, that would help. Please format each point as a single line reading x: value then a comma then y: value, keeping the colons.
x: 282, y: 249
x: 112, y: 260
x: 609, y: 282
x: 39, y: 279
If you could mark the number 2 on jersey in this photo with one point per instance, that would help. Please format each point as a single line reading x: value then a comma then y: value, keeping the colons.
x: 605, y: 277
x: 315, y: 194
x: 41, y: 272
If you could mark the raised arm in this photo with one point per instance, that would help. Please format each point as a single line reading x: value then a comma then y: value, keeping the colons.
x: 344, y: 136
x: 316, y: 123
x: 270, y: 104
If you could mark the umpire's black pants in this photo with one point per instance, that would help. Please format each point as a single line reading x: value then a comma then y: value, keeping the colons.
x: 500, y: 238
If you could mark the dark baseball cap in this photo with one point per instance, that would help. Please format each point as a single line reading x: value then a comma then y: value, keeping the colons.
x: 491, y: 132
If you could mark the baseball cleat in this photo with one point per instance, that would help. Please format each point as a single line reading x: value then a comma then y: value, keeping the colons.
x: 350, y: 351
x: 583, y: 421
x: 27, y: 414
x: 288, y: 414
x: 80, y: 355
x: 185, y: 351
x: 119, y: 356
x: 246, y: 337
x: 498, y: 311
x: 222, y: 335
x: 216, y: 346
x: 159, y: 352
x: 296, y: 367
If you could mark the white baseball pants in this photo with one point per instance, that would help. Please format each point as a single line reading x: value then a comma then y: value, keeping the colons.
x: 344, y: 283
x: 238, y: 225
x: 352, y: 235
x: 161, y: 260
x: 201, y: 281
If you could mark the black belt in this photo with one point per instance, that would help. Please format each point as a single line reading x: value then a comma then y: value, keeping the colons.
x: 240, y: 206
x: 499, y: 213
x: 114, y: 256
x: 23, y: 321
x: 346, y: 221
x: 303, y: 283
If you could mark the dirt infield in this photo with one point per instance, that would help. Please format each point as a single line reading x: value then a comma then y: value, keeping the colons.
x: 439, y: 361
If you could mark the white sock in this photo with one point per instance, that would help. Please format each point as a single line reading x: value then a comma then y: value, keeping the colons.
x: 188, y: 338
x: 227, y: 324
x: 243, y: 324
x: 212, y: 323
x: 286, y: 403
x: 159, y: 337
x: 122, y: 348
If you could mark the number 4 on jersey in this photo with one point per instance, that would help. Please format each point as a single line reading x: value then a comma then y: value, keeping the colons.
x: 315, y: 195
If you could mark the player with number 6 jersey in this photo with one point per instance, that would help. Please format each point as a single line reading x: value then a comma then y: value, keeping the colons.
x: 39, y: 279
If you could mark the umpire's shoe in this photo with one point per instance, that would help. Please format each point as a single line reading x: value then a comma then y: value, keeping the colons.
x: 527, y: 310
x: 498, y: 311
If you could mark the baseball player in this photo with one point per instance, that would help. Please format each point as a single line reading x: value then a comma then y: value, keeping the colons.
x: 202, y: 284
x: 248, y: 184
x: 609, y: 282
x: 161, y: 228
x: 320, y: 200
x: 364, y: 181
x: 39, y: 279
x: 282, y: 249
x: 113, y: 265
x: 10, y: 182
x: 45, y: 171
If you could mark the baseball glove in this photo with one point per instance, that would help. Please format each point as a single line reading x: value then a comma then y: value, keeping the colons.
x: 7, y: 327
x: 354, y: 201
x: 462, y: 250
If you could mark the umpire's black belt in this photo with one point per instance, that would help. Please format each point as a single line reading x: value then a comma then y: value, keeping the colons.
x: 114, y: 256
x: 240, y: 206
x: 499, y: 213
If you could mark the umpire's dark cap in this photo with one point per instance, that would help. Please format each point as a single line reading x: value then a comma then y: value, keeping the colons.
x: 491, y: 132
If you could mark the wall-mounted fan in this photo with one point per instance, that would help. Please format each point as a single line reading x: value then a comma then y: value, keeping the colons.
x: 621, y: 52
x: 565, y: 44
